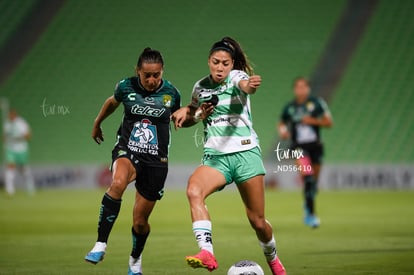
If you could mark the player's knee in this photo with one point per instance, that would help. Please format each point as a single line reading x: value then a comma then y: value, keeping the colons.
x: 141, y: 226
x: 117, y: 188
x: 258, y: 223
x: 194, y: 191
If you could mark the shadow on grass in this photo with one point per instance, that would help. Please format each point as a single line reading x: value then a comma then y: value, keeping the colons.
x: 362, y: 251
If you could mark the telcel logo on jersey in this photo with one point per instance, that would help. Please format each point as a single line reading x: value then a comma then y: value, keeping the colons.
x: 147, y: 111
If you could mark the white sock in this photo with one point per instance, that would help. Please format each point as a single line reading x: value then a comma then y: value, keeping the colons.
x: 27, y: 172
x: 9, y: 176
x: 202, y: 232
x: 135, y: 264
x: 269, y: 249
x: 99, y: 246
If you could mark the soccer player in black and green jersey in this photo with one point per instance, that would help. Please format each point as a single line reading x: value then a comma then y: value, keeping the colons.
x: 140, y: 153
x: 301, y: 121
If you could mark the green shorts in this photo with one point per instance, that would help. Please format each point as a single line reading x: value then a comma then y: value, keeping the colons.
x: 17, y: 158
x: 237, y: 167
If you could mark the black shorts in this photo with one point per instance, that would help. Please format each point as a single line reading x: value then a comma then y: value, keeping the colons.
x: 314, y: 150
x: 150, y: 180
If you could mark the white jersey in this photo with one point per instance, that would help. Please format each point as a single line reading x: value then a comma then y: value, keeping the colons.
x: 16, y: 132
x: 229, y: 128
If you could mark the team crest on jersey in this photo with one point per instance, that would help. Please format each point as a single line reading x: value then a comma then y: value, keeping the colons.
x: 166, y: 101
x: 310, y: 106
x: 143, y: 138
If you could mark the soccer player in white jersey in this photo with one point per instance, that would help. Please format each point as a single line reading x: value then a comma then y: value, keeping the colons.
x: 231, y: 150
x: 17, y: 134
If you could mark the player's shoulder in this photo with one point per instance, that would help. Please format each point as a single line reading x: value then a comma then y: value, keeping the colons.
x: 204, y: 82
x: 126, y: 83
x: 21, y: 123
x: 317, y: 100
x: 20, y: 120
x: 290, y: 104
x: 125, y: 87
x: 289, y: 108
x: 238, y: 73
x: 168, y: 86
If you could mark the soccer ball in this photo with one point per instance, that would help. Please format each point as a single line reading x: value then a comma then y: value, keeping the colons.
x: 245, y: 267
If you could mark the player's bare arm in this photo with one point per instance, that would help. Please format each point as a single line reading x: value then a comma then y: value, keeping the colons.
x: 107, y: 109
x: 250, y: 86
x: 189, y: 115
x: 283, y: 131
x: 28, y: 135
x: 324, y: 121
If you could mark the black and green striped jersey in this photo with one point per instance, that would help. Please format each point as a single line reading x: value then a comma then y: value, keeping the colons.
x: 145, y: 127
x: 292, y: 116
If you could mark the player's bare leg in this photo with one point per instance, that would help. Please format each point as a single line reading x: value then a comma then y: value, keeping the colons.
x: 140, y: 232
x: 252, y: 193
x: 204, y: 181
x: 123, y: 173
x: 9, y: 178
x: 27, y: 173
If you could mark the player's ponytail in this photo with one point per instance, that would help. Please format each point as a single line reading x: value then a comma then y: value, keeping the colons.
x: 149, y: 55
x: 231, y: 46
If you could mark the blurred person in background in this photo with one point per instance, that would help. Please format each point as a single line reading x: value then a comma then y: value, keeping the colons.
x: 300, y: 121
x: 16, y: 137
x: 140, y: 153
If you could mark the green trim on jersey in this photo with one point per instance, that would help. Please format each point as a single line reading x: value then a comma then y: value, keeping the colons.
x: 226, y: 131
x: 236, y: 108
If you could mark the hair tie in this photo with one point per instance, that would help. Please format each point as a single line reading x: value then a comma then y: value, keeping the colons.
x: 222, y: 46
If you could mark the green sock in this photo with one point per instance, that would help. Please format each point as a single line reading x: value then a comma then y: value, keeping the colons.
x: 138, y: 243
x: 107, y: 215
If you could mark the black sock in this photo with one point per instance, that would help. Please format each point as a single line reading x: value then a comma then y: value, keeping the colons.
x: 138, y: 243
x: 107, y: 215
x: 310, y: 193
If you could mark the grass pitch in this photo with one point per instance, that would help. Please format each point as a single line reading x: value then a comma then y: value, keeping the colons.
x: 362, y: 232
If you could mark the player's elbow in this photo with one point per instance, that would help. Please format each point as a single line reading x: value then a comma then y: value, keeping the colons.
x: 329, y: 123
x: 252, y: 91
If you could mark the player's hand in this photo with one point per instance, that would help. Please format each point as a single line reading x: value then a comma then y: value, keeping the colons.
x: 97, y: 134
x: 309, y: 120
x: 284, y: 134
x: 254, y: 81
x: 179, y: 117
x: 205, y: 110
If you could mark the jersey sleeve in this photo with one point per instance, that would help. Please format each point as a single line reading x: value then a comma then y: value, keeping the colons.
x: 177, y: 101
x: 194, y: 95
x: 284, y: 116
x: 25, y: 128
x: 236, y: 76
x: 118, y: 91
x: 323, y: 107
